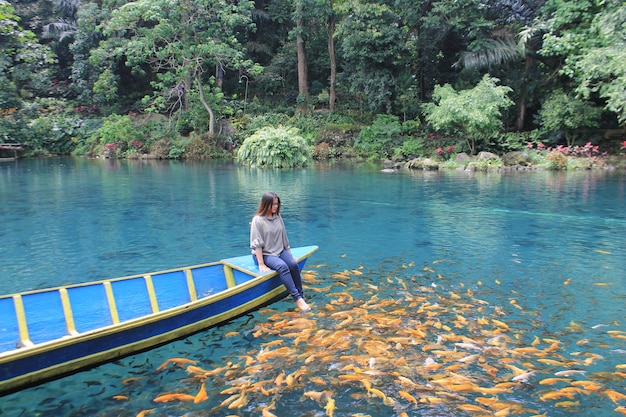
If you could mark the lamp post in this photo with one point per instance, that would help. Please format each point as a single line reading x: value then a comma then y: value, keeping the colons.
x: 245, y: 97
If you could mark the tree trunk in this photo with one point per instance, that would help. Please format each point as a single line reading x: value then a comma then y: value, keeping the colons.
x: 521, y: 115
x: 303, y: 89
x: 333, y: 61
x: 206, y: 106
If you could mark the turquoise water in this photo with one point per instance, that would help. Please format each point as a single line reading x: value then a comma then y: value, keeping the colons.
x: 541, y: 251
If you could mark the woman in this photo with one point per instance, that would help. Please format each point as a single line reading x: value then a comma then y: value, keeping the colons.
x: 270, y: 247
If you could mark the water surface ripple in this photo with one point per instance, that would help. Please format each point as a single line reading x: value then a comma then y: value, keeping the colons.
x: 434, y: 293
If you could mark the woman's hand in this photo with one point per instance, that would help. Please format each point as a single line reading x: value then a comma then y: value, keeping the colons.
x: 264, y: 268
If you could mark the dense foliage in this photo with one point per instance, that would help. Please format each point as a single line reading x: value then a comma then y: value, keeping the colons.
x: 384, y: 79
x: 275, y: 147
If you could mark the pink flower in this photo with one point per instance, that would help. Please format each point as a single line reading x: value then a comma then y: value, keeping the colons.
x: 540, y: 145
x: 529, y: 145
x: 624, y: 145
x: 439, y: 151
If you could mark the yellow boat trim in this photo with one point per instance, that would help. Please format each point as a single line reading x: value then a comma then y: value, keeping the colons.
x: 115, y: 318
x: 191, y: 285
x: 21, y: 321
x: 31, y: 349
x: 69, y: 367
x: 151, y: 294
x: 230, y: 276
x: 67, y: 312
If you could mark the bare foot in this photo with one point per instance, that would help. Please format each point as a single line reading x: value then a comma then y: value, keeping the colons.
x: 302, y: 305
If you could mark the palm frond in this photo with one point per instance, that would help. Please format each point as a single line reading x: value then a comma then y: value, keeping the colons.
x: 495, y: 52
x: 531, y: 34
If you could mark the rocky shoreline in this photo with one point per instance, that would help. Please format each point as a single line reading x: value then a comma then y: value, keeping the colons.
x: 511, y: 161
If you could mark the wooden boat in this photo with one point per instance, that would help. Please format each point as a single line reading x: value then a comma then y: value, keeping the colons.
x: 49, y: 333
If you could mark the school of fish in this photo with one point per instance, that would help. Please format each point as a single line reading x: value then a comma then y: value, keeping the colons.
x: 414, y: 349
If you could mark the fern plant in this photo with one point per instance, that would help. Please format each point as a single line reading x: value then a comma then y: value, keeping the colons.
x: 275, y: 147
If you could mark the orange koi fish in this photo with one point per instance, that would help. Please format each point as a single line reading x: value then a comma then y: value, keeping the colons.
x: 550, y: 381
x: 165, y: 398
x: 567, y: 404
x: 473, y: 408
x: 614, y: 395
x: 201, y: 395
x: 120, y: 398
x: 330, y: 407
x: 179, y: 361
x: 408, y: 397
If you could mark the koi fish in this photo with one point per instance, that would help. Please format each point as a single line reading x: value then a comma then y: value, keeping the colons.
x: 144, y: 413
x: 165, y: 398
x: 330, y: 407
x: 317, y: 395
x: 408, y: 397
x: 523, y: 377
x: 201, y: 395
x: 179, y: 361
x: 570, y: 372
x: 567, y: 404
x: 614, y: 395
x: 550, y: 381
x: 473, y: 408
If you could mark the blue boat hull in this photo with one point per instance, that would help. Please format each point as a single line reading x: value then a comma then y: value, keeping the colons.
x: 34, y: 364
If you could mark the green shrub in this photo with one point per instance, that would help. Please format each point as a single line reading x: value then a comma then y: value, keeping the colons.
x: 272, y: 147
x: 565, y: 113
x: 473, y: 114
x: 378, y: 140
x: 116, y: 137
x: 411, y: 148
x: 54, y: 133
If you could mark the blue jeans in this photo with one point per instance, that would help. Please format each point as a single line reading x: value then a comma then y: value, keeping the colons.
x: 288, y: 271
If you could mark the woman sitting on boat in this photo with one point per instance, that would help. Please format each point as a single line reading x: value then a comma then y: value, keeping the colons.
x: 270, y: 247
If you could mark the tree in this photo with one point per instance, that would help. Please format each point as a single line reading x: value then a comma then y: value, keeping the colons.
x: 23, y: 60
x: 508, y: 45
x: 372, y: 45
x: 474, y: 114
x: 303, y: 77
x: 181, y: 41
x: 564, y: 113
x: 589, y: 40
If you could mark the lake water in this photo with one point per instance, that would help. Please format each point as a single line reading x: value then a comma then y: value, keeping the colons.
x: 501, y: 280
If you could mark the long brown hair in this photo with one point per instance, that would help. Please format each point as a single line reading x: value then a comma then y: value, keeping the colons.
x: 265, y: 207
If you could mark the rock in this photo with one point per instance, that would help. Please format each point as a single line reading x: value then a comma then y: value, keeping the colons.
x: 430, y: 164
x: 516, y: 158
x: 427, y: 164
x: 487, y: 155
x: 388, y: 164
x: 462, y: 157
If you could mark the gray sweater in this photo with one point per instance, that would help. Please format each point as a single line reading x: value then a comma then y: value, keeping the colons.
x: 268, y: 234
